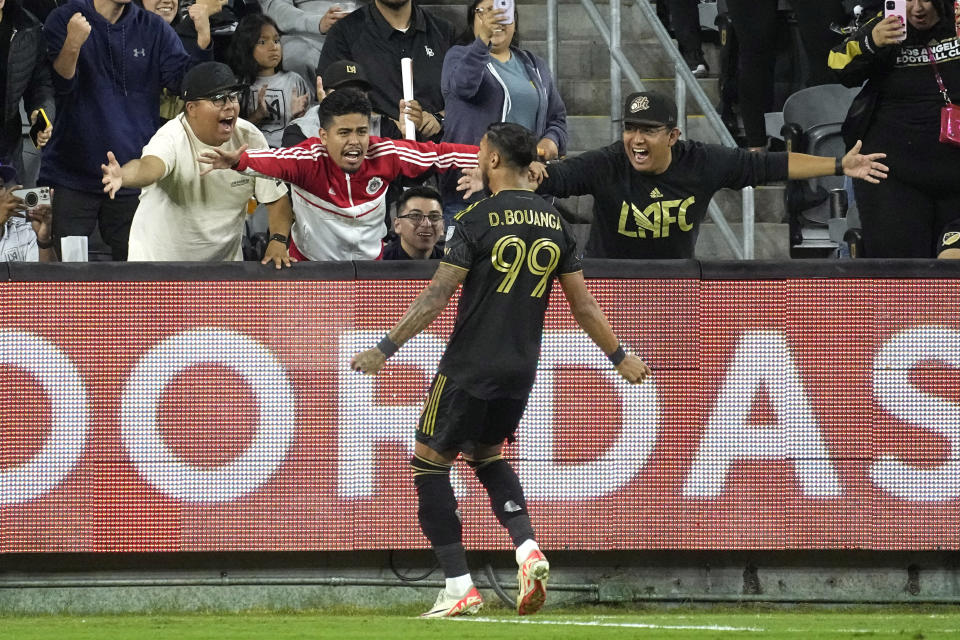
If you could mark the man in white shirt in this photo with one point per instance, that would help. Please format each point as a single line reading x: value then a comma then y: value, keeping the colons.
x: 182, y: 215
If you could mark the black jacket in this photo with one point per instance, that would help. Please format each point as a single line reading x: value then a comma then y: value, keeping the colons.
x: 897, y: 77
x: 28, y: 76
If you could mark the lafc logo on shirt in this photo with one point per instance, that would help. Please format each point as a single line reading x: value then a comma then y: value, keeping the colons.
x: 655, y: 220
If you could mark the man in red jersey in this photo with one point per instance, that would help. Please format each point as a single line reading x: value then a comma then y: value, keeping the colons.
x: 341, y: 179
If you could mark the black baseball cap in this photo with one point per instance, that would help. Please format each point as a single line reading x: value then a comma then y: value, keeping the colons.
x: 649, y: 108
x: 343, y: 73
x: 208, y: 79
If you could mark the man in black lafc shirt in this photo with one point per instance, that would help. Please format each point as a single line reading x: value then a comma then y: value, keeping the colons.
x: 506, y: 250
x: 651, y: 190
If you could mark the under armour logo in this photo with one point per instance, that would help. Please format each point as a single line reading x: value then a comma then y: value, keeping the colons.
x: 428, y: 50
x: 139, y: 52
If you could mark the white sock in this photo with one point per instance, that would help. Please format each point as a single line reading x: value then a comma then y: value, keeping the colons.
x: 525, y: 548
x: 460, y: 585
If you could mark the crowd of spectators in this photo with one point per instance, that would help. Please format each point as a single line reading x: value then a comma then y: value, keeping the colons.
x: 123, y: 154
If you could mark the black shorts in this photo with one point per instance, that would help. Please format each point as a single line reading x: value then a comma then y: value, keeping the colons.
x: 454, y: 419
x: 949, y: 237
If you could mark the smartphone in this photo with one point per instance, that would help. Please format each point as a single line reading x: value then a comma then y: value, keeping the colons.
x: 507, y: 6
x: 896, y: 8
x: 39, y: 126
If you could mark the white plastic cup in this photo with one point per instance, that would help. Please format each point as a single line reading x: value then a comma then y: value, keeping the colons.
x: 73, y: 249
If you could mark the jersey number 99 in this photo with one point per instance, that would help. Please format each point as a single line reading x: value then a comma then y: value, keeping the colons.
x: 516, y: 248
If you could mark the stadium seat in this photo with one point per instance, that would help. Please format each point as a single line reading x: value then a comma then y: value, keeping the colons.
x: 812, y: 121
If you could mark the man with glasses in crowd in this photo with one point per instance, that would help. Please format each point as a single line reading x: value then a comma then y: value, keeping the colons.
x: 651, y: 189
x: 418, y: 225
x: 182, y: 215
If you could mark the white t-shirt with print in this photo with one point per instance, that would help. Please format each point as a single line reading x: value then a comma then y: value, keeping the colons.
x: 188, y: 217
x: 19, y: 241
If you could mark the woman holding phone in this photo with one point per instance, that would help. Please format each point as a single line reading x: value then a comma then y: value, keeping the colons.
x: 488, y: 78
x: 915, y: 212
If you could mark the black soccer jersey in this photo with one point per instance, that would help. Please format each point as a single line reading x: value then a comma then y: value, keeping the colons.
x: 514, y: 244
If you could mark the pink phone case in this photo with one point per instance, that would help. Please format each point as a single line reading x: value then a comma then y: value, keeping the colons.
x: 508, y: 8
x: 896, y: 8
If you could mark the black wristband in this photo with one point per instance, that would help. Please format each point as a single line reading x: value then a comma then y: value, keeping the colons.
x: 44, y: 245
x: 279, y: 237
x: 617, y: 356
x: 838, y: 169
x: 387, y: 346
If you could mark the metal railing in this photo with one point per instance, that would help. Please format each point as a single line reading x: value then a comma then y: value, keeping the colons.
x: 620, y: 66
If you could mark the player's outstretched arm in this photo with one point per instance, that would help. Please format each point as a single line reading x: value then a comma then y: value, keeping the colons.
x: 591, y: 319
x: 418, y: 317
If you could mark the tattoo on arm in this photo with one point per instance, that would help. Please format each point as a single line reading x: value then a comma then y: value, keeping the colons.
x: 428, y: 304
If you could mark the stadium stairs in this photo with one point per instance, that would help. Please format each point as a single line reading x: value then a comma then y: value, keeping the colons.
x: 583, y: 63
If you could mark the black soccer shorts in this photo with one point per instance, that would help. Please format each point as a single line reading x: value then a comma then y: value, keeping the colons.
x: 454, y: 419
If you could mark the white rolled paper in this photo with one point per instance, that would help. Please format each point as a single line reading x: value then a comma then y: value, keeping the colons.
x: 406, y: 74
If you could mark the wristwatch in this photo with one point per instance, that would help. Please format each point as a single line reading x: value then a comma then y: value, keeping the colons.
x: 279, y: 237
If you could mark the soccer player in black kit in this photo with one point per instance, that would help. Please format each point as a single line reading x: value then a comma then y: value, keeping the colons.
x: 506, y: 250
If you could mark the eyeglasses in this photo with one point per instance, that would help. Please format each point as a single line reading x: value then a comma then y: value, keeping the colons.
x: 647, y: 130
x: 221, y: 99
x: 418, y: 218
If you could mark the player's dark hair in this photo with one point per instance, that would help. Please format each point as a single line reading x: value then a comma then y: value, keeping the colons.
x: 517, y: 146
x: 417, y: 192
x: 342, y: 102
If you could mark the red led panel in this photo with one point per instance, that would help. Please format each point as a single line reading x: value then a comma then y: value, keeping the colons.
x: 182, y: 416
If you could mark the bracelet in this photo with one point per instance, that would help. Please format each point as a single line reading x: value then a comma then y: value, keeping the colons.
x: 838, y: 169
x: 44, y: 245
x: 617, y: 356
x: 387, y: 346
x: 279, y: 237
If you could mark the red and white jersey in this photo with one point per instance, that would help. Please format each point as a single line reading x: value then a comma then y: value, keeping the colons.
x: 340, y: 215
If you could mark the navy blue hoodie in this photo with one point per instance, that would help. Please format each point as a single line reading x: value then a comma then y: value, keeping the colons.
x: 112, y: 101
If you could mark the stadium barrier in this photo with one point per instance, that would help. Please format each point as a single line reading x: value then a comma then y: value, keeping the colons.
x: 187, y: 407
